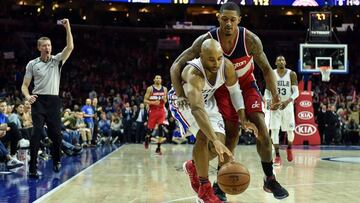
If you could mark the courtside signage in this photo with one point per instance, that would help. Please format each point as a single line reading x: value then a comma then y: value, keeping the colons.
x: 305, y: 129
x: 305, y: 103
x: 305, y: 115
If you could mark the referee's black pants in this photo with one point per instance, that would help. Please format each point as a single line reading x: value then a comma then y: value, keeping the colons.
x: 46, y: 109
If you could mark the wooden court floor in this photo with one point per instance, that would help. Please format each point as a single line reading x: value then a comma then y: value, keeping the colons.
x: 132, y: 174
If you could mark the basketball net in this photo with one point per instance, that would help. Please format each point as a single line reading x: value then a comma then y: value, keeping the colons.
x: 325, y: 73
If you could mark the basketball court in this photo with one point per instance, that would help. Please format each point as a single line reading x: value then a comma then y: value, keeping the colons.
x: 128, y: 173
x: 132, y: 174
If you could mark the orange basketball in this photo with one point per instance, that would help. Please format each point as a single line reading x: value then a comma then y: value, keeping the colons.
x: 233, y: 178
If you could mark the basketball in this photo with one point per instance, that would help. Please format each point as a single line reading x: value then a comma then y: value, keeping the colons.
x: 233, y: 178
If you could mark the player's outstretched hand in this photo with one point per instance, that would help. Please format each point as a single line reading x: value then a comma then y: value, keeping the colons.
x: 222, y: 150
x: 250, y: 127
x: 275, y: 103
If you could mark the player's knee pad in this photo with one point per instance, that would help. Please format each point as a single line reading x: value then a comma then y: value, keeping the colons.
x: 275, y: 136
x: 290, y: 135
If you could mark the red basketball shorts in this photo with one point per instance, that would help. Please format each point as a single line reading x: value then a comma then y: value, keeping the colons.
x: 156, y: 116
x: 252, y: 99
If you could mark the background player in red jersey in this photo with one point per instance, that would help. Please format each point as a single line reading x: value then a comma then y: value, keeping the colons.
x: 155, y: 97
x: 242, y: 47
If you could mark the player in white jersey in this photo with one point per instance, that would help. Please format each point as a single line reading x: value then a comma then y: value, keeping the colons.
x: 284, y: 116
x: 201, y: 77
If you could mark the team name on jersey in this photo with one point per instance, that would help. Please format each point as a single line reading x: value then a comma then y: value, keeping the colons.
x: 239, y: 64
x: 155, y: 97
x: 283, y: 83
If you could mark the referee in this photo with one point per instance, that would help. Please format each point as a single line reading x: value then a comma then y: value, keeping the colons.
x: 46, y: 71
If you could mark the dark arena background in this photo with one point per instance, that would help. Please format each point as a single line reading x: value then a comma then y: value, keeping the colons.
x: 119, y: 48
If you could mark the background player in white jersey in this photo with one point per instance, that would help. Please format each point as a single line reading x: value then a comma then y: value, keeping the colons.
x: 283, y: 117
x: 201, y: 77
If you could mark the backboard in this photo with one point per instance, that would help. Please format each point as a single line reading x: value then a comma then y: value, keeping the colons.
x: 314, y: 56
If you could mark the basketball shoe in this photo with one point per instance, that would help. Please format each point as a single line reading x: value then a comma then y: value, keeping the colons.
x: 272, y: 186
x: 277, y: 161
x: 206, y: 194
x: 289, y: 154
x: 190, y: 170
x: 218, y: 192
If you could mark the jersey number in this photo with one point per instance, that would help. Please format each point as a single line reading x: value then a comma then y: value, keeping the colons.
x: 282, y: 91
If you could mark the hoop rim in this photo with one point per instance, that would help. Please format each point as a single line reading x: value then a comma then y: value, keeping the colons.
x: 325, y: 68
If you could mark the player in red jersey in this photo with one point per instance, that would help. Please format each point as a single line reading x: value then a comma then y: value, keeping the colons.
x: 242, y: 47
x: 155, y: 97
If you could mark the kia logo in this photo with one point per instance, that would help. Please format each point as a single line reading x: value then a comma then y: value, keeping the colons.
x: 305, y: 129
x: 305, y: 115
x: 305, y: 103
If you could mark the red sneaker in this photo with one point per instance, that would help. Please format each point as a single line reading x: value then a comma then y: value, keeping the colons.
x: 146, y: 143
x: 277, y: 161
x: 206, y: 194
x: 289, y: 154
x: 190, y: 169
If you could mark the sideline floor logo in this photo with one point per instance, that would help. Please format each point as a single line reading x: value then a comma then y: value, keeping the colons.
x: 346, y: 159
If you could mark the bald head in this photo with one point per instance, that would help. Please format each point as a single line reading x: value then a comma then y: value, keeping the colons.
x: 211, y: 45
x: 88, y: 101
x: 211, y: 55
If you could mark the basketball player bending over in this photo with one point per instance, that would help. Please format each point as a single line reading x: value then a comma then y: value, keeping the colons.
x: 155, y: 97
x: 242, y: 48
x: 284, y: 116
x: 201, y: 77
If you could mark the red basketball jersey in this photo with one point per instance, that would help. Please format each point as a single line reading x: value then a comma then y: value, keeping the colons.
x: 157, y: 95
x: 243, y: 62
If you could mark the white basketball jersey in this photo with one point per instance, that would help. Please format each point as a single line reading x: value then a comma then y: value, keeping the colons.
x: 208, y: 89
x: 284, y: 85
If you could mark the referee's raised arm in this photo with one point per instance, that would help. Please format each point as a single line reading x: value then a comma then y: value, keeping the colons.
x: 69, y: 40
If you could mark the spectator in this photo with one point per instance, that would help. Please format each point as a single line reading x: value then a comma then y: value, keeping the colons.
x: 140, y: 120
x: 117, y: 130
x: 11, y: 162
x: 12, y: 134
x: 89, y: 114
x: 104, y: 126
x: 127, y: 121
x: 332, y: 126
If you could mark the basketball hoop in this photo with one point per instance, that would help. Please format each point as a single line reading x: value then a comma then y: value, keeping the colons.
x: 325, y: 73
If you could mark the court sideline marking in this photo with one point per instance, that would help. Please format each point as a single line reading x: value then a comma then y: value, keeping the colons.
x: 257, y: 188
x: 67, y: 181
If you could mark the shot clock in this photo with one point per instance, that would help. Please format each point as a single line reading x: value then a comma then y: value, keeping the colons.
x: 320, y: 24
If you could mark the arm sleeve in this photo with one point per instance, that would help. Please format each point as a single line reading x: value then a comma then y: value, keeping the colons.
x: 295, y: 92
x: 236, y: 96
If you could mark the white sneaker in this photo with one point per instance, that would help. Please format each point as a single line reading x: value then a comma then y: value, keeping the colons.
x: 14, y: 163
